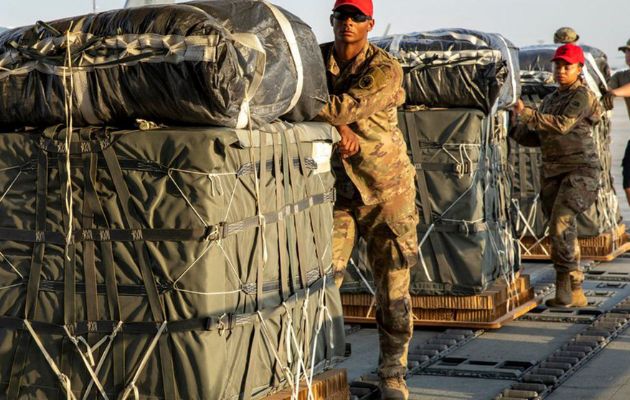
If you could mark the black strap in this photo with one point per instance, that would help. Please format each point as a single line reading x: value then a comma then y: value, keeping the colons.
x: 294, y: 259
x: 438, y: 250
x: 522, y: 172
x: 89, y: 249
x: 124, y: 198
x: 93, y: 205
x: 318, y: 250
x: 293, y: 183
x: 69, y: 260
x: 210, y: 233
x: 32, y: 290
x: 281, y: 226
x: 219, y: 323
x: 53, y: 146
x: 155, y: 304
x: 534, y: 153
x: 261, y: 181
x: 457, y: 227
x: 250, y: 373
x: 451, y: 168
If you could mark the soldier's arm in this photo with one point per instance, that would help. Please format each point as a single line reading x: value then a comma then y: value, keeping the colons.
x: 562, y: 124
x: 622, y: 91
x: 613, y: 82
x: 378, y: 89
x: 524, y: 136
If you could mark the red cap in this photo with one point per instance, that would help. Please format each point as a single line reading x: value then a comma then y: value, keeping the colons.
x: 570, y: 53
x: 365, y: 6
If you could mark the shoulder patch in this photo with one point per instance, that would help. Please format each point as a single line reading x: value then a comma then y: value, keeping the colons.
x: 577, y: 104
x: 366, y: 82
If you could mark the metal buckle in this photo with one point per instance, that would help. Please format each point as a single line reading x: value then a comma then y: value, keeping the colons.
x: 221, y: 326
x: 213, y: 233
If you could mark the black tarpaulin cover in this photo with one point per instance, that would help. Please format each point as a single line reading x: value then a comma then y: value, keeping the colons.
x: 204, y: 63
x: 456, y: 68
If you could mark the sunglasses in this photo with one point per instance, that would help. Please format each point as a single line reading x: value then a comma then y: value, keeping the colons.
x: 356, y: 17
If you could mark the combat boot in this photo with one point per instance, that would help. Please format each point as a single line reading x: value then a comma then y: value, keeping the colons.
x: 569, y: 291
x: 394, y: 388
x: 578, y: 298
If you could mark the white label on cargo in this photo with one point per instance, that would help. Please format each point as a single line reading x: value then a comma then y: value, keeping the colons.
x: 322, y: 151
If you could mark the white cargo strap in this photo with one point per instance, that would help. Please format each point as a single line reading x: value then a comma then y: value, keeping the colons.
x: 88, y: 360
x: 591, y: 61
x: 63, y: 378
x: 459, y: 36
x: 131, y: 387
x: 323, y: 315
x: 365, y: 281
x: 289, y: 35
x: 251, y: 41
x: 590, y: 82
x: 68, y: 108
x: 110, y: 340
x: 4, y: 194
x: 394, y: 47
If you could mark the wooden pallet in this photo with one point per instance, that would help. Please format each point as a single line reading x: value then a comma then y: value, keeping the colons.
x: 329, y: 385
x: 605, y: 247
x: 491, y: 309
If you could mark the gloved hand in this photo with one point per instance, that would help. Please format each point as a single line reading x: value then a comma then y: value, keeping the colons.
x: 608, y: 100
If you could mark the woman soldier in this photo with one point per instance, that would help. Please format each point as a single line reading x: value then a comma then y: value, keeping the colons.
x: 562, y: 127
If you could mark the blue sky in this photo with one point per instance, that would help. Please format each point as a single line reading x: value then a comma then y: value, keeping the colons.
x: 601, y: 23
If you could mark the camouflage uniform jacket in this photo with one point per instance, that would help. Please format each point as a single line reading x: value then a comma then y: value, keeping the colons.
x: 619, y: 79
x: 562, y: 127
x: 365, y: 95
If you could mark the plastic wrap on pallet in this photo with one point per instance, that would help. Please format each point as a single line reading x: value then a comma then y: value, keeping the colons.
x: 222, y: 233
x: 457, y: 68
x: 466, y: 230
x: 200, y: 63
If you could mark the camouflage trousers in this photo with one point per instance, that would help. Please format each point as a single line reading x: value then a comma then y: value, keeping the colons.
x: 563, y: 198
x: 389, y: 230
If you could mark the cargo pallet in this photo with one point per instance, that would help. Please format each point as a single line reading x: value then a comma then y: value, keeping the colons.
x: 329, y: 385
x: 499, y: 304
x: 605, y: 247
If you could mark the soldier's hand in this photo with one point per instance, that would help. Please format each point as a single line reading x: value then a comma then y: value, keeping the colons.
x: 608, y: 100
x: 349, y: 144
x: 519, y: 107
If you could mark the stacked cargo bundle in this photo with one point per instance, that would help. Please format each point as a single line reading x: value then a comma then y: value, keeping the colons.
x: 600, y: 234
x: 459, y: 84
x: 165, y: 262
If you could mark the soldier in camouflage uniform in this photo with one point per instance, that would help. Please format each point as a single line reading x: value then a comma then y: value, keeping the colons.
x: 566, y: 35
x: 375, y: 179
x: 616, y: 82
x: 562, y: 127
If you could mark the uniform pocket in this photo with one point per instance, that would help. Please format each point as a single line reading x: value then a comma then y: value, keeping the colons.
x: 405, y: 236
x: 582, y: 191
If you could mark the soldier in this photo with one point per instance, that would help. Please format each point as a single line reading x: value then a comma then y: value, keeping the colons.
x: 619, y: 79
x: 571, y: 166
x: 566, y: 35
x: 375, y: 179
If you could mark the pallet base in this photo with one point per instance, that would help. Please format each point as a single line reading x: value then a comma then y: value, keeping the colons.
x: 496, y: 324
x: 489, y: 310
x: 329, y: 385
x: 604, y: 248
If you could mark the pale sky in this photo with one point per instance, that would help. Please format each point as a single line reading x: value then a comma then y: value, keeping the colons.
x: 601, y: 23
